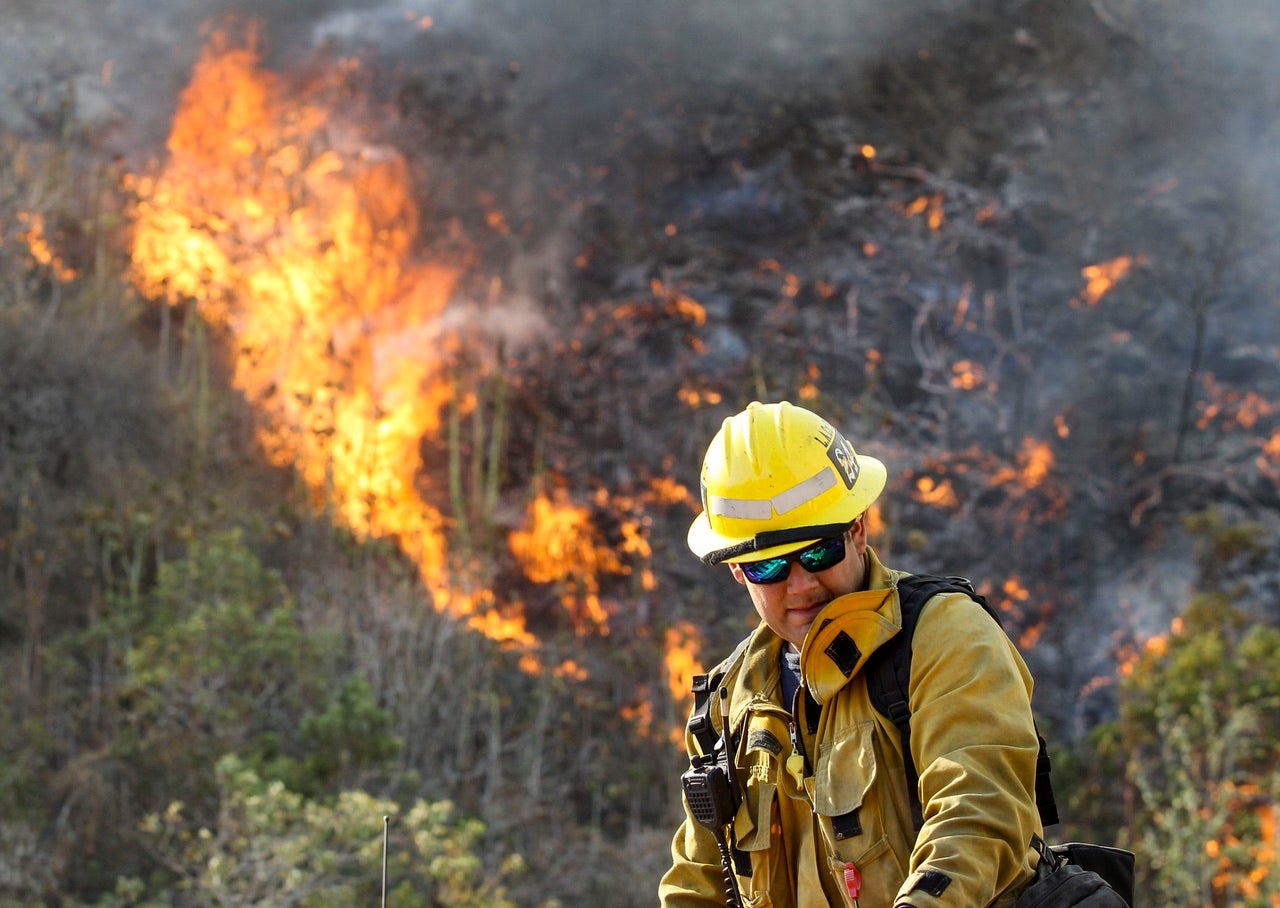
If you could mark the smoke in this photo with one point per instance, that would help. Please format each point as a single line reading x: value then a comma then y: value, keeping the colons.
x: 580, y: 65
x: 1152, y: 131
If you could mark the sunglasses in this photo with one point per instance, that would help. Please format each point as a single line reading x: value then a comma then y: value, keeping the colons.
x: 823, y: 554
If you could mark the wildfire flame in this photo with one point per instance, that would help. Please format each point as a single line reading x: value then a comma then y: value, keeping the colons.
x: 1232, y: 409
x: 967, y: 375
x: 560, y: 547
x: 931, y: 206
x: 296, y: 236
x: 292, y: 232
x: 38, y: 245
x: 1102, y: 278
x: 938, y: 494
x: 683, y: 647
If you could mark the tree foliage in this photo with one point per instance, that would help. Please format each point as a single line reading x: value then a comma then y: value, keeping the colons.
x: 1199, y: 731
x: 270, y: 845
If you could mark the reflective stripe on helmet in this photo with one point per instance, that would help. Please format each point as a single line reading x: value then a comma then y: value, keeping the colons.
x: 787, y: 500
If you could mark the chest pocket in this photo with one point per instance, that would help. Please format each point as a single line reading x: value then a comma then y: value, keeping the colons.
x: 843, y: 778
x: 763, y: 750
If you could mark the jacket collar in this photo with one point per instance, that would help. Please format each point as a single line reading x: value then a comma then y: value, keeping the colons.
x: 849, y: 630
x: 867, y: 619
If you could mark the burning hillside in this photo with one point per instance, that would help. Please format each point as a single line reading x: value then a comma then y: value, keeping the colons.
x: 342, y: 271
x: 297, y: 239
x: 485, y: 283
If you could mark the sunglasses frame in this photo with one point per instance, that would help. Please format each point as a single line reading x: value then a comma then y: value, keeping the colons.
x: 837, y: 544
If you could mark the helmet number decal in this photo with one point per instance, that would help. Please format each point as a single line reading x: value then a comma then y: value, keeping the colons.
x: 843, y: 459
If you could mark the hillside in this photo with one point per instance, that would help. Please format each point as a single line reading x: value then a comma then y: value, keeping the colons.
x: 358, y: 359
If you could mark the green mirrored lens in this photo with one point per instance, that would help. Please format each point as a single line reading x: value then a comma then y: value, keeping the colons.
x: 822, y: 555
x: 771, y: 570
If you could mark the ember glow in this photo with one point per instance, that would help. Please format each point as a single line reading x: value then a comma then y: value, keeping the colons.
x: 931, y: 206
x: 1271, y: 449
x: 1102, y: 278
x: 695, y: 397
x: 967, y: 375
x: 1231, y: 409
x: 38, y: 244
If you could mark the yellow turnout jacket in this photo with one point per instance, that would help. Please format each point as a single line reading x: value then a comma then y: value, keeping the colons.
x: 973, y: 740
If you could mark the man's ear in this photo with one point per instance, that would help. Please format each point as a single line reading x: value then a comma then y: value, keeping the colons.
x: 737, y: 573
x: 858, y: 534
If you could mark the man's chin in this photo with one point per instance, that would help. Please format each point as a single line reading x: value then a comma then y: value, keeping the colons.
x: 802, y: 619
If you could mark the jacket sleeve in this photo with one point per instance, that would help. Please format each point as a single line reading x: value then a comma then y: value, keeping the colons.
x: 974, y: 741
x: 694, y: 879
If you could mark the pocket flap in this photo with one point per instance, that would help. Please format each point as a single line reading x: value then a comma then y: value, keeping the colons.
x: 751, y: 827
x: 844, y: 772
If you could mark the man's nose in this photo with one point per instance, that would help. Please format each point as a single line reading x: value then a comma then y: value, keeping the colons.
x: 800, y: 580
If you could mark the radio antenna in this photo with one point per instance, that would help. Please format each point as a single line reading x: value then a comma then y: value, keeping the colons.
x: 727, y: 735
x: 386, y: 825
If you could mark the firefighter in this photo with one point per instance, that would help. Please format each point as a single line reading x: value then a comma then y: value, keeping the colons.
x: 825, y: 815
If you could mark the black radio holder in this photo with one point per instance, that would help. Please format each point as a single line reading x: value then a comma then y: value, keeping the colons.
x: 711, y: 786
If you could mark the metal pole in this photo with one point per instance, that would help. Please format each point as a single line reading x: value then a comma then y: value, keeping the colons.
x: 386, y: 824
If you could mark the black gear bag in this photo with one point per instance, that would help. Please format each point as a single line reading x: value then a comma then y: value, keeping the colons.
x: 1077, y: 875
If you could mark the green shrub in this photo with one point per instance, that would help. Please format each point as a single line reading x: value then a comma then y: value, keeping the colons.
x: 1200, y: 720
x: 273, y: 846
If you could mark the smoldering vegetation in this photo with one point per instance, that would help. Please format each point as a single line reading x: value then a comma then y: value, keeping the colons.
x: 1022, y: 251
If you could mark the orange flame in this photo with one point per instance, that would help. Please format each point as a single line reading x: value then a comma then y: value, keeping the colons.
x: 1035, y: 461
x: 1232, y: 408
x: 1103, y: 277
x: 808, y: 389
x: 683, y: 646
x: 967, y: 375
x: 1271, y: 447
x: 695, y: 397
x: 41, y: 251
x: 938, y: 494
x: 1014, y: 592
x: 293, y: 233
x: 559, y: 546
x: 931, y: 207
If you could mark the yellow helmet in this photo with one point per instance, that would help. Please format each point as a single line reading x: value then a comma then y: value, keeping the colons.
x: 776, y: 478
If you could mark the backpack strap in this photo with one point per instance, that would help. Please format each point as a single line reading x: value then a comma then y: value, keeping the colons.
x: 705, y: 687
x: 888, y: 674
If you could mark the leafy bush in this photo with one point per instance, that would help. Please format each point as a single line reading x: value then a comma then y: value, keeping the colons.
x: 1200, y: 721
x: 211, y: 659
x: 273, y: 846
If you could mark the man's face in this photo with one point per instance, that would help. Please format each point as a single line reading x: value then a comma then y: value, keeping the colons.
x: 790, y: 606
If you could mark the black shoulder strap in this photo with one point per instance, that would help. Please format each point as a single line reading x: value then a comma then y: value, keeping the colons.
x: 704, y: 691
x: 888, y: 674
